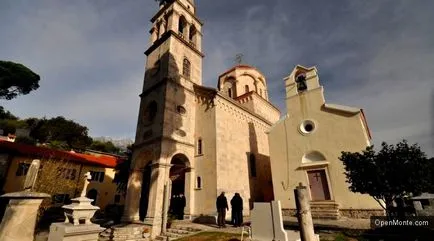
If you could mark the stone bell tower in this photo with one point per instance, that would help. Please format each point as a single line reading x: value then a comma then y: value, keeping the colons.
x: 166, y: 120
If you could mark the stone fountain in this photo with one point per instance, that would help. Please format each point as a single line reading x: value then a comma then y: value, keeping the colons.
x: 77, y: 225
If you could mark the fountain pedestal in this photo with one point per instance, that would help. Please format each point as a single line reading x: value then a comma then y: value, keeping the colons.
x: 77, y: 225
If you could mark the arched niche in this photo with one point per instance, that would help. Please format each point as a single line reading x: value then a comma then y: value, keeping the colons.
x: 313, y: 156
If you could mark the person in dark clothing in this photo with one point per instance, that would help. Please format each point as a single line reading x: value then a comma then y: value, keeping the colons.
x: 222, y: 206
x: 237, y: 210
x: 182, y: 203
x: 172, y: 205
x: 175, y: 205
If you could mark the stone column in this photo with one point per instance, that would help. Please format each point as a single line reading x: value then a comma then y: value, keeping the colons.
x: 162, y: 28
x: 190, y: 179
x: 256, y: 86
x: 19, y: 220
x: 167, y: 191
x: 173, y: 22
x: 303, y: 214
x: 132, y: 201
x: 187, y: 32
x: 159, y: 176
x: 154, y: 35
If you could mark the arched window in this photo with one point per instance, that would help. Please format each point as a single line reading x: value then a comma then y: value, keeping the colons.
x: 192, y: 33
x: 246, y: 88
x: 198, y: 182
x: 230, y: 92
x: 199, y: 146
x: 252, y: 162
x: 181, y: 25
x: 301, y: 82
x: 150, y: 113
x: 186, y: 68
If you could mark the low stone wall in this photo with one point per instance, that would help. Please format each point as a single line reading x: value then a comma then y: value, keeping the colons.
x: 289, y: 212
x: 361, y: 213
x: 349, y: 213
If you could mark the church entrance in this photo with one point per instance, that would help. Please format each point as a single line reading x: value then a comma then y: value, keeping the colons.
x: 180, y: 164
x: 318, y: 184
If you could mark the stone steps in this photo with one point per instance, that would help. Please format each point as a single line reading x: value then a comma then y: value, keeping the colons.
x: 177, y: 232
x: 122, y: 233
x: 325, y: 210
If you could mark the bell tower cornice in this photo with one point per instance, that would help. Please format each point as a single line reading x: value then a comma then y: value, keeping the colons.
x: 168, y: 9
x: 166, y: 36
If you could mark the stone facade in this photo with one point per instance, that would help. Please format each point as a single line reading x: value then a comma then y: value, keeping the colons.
x: 306, y: 144
x: 202, y: 141
x: 196, y: 140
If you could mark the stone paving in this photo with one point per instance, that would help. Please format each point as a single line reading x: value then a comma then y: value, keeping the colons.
x: 289, y: 223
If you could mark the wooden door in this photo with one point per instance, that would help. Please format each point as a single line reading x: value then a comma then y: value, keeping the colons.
x: 319, y: 188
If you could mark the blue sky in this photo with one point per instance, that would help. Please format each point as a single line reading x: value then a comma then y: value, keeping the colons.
x: 372, y: 54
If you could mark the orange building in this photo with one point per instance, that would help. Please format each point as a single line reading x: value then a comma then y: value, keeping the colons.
x: 61, y: 173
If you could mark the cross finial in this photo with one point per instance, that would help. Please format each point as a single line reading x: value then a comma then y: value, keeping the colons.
x: 87, y: 178
x: 239, y: 58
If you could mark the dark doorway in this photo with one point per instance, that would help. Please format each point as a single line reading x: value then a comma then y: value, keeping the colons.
x: 177, y: 175
x: 319, y: 188
x: 144, y: 196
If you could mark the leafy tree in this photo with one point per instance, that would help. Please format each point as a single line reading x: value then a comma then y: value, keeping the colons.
x: 105, y: 147
x: 9, y: 126
x: 61, y: 133
x: 56, y: 177
x: 4, y: 114
x: 394, y: 172
x: 25, y: 140
x: 123, y: 172
x: 16, y: 79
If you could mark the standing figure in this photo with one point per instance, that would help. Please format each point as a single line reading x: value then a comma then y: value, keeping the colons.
x: 172, y: 205
x: 182, y: 203
x: 237, y: 210
x: 222, y: 206
x: 175, y: 206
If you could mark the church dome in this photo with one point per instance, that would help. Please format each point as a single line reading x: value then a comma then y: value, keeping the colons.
x: 243, y: 79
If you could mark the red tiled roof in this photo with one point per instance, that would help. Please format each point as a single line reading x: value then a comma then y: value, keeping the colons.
x: 240, y: 66
x: 37, y: 151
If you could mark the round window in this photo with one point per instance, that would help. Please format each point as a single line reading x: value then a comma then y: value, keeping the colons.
x: 181, y: 110
x: 307, y: 126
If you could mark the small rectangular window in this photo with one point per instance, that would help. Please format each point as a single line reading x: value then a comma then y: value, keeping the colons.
x: 101, y: 177
x: 22, y: 169
x: 60, y: 198
x: 198, y: 182
x: 97, y: 176
x: 66, y: 173
x: 199, y: 147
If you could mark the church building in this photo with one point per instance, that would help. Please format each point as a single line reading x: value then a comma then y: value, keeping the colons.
x: 200, y: 141
x: 191, y: 139
x: 305, y: 146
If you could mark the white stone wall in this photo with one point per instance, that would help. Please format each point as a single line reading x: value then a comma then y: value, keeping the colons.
x: 205, y: 163
x: 236, y: 139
